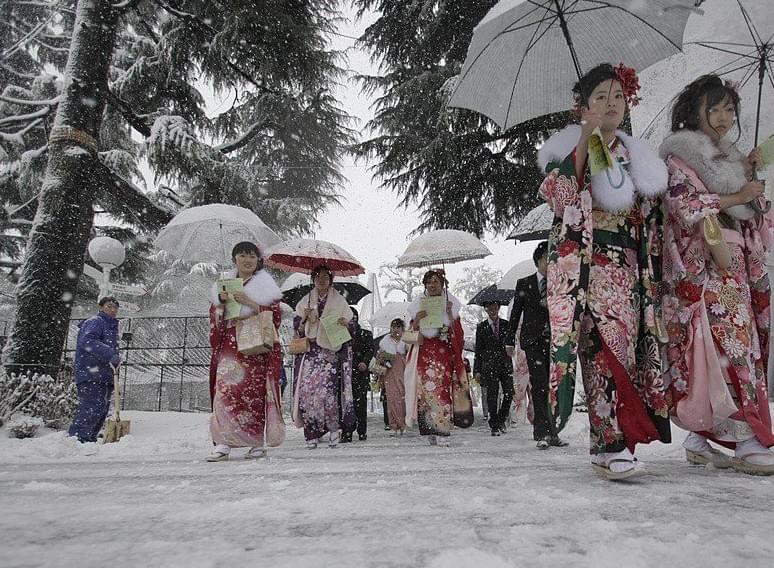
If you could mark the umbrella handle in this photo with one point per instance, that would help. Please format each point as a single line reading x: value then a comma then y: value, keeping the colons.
x: 756, y: 203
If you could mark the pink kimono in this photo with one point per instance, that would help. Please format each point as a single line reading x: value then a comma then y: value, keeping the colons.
x: 717, y: 320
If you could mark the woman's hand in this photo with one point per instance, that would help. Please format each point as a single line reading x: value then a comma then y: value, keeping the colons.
x: 420, y: 314
x: 449, y: 308
x: 590, y: 120
x: 223, y: 297
x: 751, y: 191
x: 342, y: 321
x: 241, y: 297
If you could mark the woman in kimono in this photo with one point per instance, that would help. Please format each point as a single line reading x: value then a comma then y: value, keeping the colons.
x: 244, y: 385
x: 717, y: 304
x: 435, y: 367
x: 392, y: 354
x: 603, y: 272
x: 322, y: 401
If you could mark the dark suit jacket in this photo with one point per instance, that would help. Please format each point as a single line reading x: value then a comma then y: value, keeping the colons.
x: 491, y: 357
x: 362, y: 351
x: 535, y: 331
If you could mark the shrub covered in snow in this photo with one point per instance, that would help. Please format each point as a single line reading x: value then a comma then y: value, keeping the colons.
x: 23, y: 426
x: 51, y: 399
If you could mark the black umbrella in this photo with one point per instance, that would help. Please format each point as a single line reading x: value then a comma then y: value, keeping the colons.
x: 492, y: 294
x: 353, y: 292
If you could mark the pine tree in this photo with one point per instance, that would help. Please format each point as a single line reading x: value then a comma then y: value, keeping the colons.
x: 275, y: 150
x: 457, y: 166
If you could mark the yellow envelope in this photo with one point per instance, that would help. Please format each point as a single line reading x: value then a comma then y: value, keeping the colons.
x: 599, y: 158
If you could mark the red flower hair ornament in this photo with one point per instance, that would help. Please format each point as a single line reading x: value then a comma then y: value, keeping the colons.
x: 630, y: 83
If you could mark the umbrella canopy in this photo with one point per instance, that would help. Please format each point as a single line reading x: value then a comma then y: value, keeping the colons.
x: 517, y: 272
x: 492, y: 294
x: 734, y: 40
x: 303, y: 255
x: 297, y: 285
x: 535, y: 225
x: 207, y: 233
x: 442, y: 246
x: 391, y: 310
x: 525, y: 55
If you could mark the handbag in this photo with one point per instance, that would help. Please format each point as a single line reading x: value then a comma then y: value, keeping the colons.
x: 275, y: 424
x: 377, y: 368
x: 298, y: 345
x: 412, y: 337
x: 717, y: 244
x: 256, y: 334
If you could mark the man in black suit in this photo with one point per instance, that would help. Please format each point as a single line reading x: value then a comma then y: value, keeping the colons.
x: 362, y: 352
x: 535, y: 340
x: 493, y: 366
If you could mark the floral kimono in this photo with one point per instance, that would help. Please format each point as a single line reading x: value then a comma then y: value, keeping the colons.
x: 322, y: 399
x: 718, y: 319
x: 435, y: 373
x: 603, y: 275
x: 244, y: 385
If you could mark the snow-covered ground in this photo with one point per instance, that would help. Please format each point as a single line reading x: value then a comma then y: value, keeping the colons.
x: 484, y: 502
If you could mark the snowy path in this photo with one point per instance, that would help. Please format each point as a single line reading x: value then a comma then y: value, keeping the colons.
x: 483, y: 503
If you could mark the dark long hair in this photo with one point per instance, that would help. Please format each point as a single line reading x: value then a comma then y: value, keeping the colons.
x: 709, y: 89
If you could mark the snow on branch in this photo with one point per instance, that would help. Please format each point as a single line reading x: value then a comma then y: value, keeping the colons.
x: 25, y: 117
x: 15, y: 101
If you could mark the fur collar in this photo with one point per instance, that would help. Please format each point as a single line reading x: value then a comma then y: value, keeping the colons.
x: 646, y: 174
x: 721, y: 167
x: 261, y: 289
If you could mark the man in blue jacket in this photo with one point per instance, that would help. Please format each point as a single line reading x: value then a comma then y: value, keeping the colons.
x: 96, y: 355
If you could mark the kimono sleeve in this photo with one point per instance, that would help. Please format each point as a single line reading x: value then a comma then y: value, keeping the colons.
x: 688, y: 200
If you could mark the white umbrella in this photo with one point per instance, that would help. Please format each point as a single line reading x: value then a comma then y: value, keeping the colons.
x: 442, y: 246
x: 390, y: 311
x: 518, y: 271
x: 535, y: 225
x: 207, y: 233
x: 525, y: 55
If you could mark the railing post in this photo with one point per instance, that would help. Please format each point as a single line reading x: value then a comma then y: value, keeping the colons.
x: 182, y: 367
x: 161, y: 382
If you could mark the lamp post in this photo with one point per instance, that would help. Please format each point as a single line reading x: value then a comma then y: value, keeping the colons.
x: 109, y: 253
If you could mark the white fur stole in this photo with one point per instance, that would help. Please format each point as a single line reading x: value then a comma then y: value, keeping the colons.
x: 645, y: 175
x: 721, y: 167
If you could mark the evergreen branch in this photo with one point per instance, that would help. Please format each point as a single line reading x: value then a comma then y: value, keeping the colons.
x: 24, y: 117
x: 15, y: 101
x: 126, y: 111
x: 133, y: 199
x: 241, y: 141
x: 30, y: 35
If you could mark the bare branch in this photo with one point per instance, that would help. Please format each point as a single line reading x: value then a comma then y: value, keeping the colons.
x: 15, y: 101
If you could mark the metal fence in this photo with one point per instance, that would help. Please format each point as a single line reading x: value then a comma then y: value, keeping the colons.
x: 165, y: 362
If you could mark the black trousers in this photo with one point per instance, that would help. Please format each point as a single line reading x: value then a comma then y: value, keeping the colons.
x: 495, y: 381
x: 361, y: 386
x: 384, y: 407
x: 539, y: 367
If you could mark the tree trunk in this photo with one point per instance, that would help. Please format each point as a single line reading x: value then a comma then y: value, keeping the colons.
x: 62, y: 226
